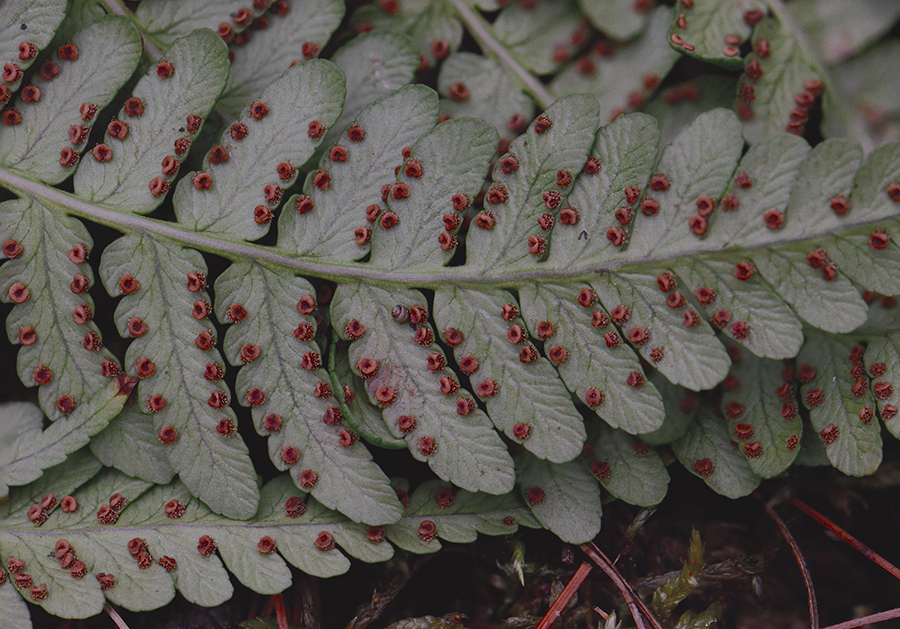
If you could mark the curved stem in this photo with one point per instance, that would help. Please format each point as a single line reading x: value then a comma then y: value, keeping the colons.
x: 481, y: 31
x: 151, y: 47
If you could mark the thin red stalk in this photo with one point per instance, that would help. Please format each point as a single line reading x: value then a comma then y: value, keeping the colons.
x: 636, y: 606
x: 890, y: 614
x: 280, y: 614
x: 883, y: 563
x: 804, y: 569
x: 565, y: 596
x: 116, y: 618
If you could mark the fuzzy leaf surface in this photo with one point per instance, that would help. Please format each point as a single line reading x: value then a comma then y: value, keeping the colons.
x: 539, y: 32
x: 93, y: 77
x: 266, y: 159
x: 164, y: 21
x: 159, y: 315
x: 635, y: 473
x: 200, y: 65
x: 706, y: 25
x: 463, y: 449
x: 274, y: 362
x: 883, y: 357
x: 616, y: 18
x: 41, y: 20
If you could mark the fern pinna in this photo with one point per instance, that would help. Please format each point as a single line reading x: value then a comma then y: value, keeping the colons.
x: 525, y: 338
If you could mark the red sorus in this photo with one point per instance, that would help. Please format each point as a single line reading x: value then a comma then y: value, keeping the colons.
x: 15, y: 565
x: 418, y: 315
x: 620, y: 314
x: 11, y: 73
x: 201, y: 309
x: 37, y: 515
x: 102, y: 153
x: 879, y: 239
x: 109, y: 369
x: 262, y: 215
x: 134, y: 107
x: 168, y: 563
x: 423, y: 336
x: 545, y: 221
x: 535, y: 496
x: 806, y: 373
x: 406, y: 424
x: 18, y: 294
x: 542, y: 124
x: 81, y: 315
x: 882, y: 390
x: 497, y: 194
x: 591, y: 166
x: 174, y: 509
x: 509, y: 312
x: 753, y: 71
x: 446, y: 241
x: 42, y: 375
x: 453, y: 337
x: 217, y: 399
x: 720, y: 318
x: 814, y: 397
x: 675, y: 300
x: 308, y: 478
x: 563, y: 179
x: 107, y: 515
x: 12, y: 117
x: 167, y: 434
x: 829, y: 434
x: 893, y: 191
x: 272, y: 422
x: 22, y: 580
x: 878, y: 369
x: 632, y: 195
x: 464, y: 406
x: 27, y: 336
x: 349, y: 396
x: 77, y: 569
x: 865, y: 414
x: 48, y: 72
x: 860, y: 387
x: 817, y: 258
x: 385, y: 396
x: 558, y: 354
x: 79, y: 284
x: 452, y: 221
x: 857, y: 371
x: 205, y: 340
x: 435, y: 362
x: 460, y: 201
x: 38, y: 592
x: 427, y: 446
x: 635, y: 380
x: 612, y: 339
x: 486, y: 220
x: 743, y: 180
x: 593, y: 397
x: 659, y: 182
x: 217, y: 155
x: 27, y: 51
x: 105, y: 580
x: 638, y: 335
x: 829, y: 272
x: 65, y: 404
x: 788, y: 410
x: 400, y: 191
x: 206, y: 545
x: 236, y: 313
x: 623, y: 215
x: 666, y: 281
x: 509, y: 164
x: 753, y: 450
x: 158, y: 186
x: 389, y: 220
x: 730, y: 202
x: 272, y: 193
x: 290, y: 455
x: 136, y: 546
x: 444, y: 497
x: 458, y: 92
x: 536, y: 245
x: 698, y: 224
x: 31, y: 94
x: 156, y: 403
x: 734, y: 409
x: 691, y: 319
x: 449, y: 385
x: 78, y: 254
x: 12, y: 249
x: 487, y: 388
x: 856, y: 353
x: 774, y: 219
x: 888, y: 411
x: 599, y: 319
x: 814, y: 86
x: 367, y: 367
x: 255, y: 396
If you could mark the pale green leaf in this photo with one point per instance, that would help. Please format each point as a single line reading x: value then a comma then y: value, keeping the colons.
x: 26, y: 21
x: 627, y: 150
x: 690, y: 356
x: 883, y: 358
x: 784, y: 74
x: 853, y: 443
x: 374, y: 65
x: 774, y: 330
x: 626, y: 80
x: 425, y: 21
x: 491, y: 93
x: 94, y: 77
x: 62, y: 351
x: 633, y: 471
x: 347, y: 479
x: 768, y: 405
x: 216, y: 468
x: 33, y: 451
x: 131, y: 443
x: 362, y: 416
x: 618, y: 19
x: 837, y: 30
x: 862, y: 79
x: 200, y: 68
x: 458, y: 516
x: 264, y: 162
x: 699, y: 162
x: 705, y: 25
x: 541, y: 157
x: 539, y: 34
x: 564, y: 497
x: 269, y: 52
x: 514, y: 392
x: 706, y: 452
x: 20, y: 424
x: 390, y: 124
x: 463, y: 449
x: 451, y: 159
x: 16, y: 614
x: 812, y: 450
x: 591, y: 362
x: 164, y: 21
x: 678, y: 106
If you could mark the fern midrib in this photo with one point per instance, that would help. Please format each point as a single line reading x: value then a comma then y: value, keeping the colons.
x: 274, y: 257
